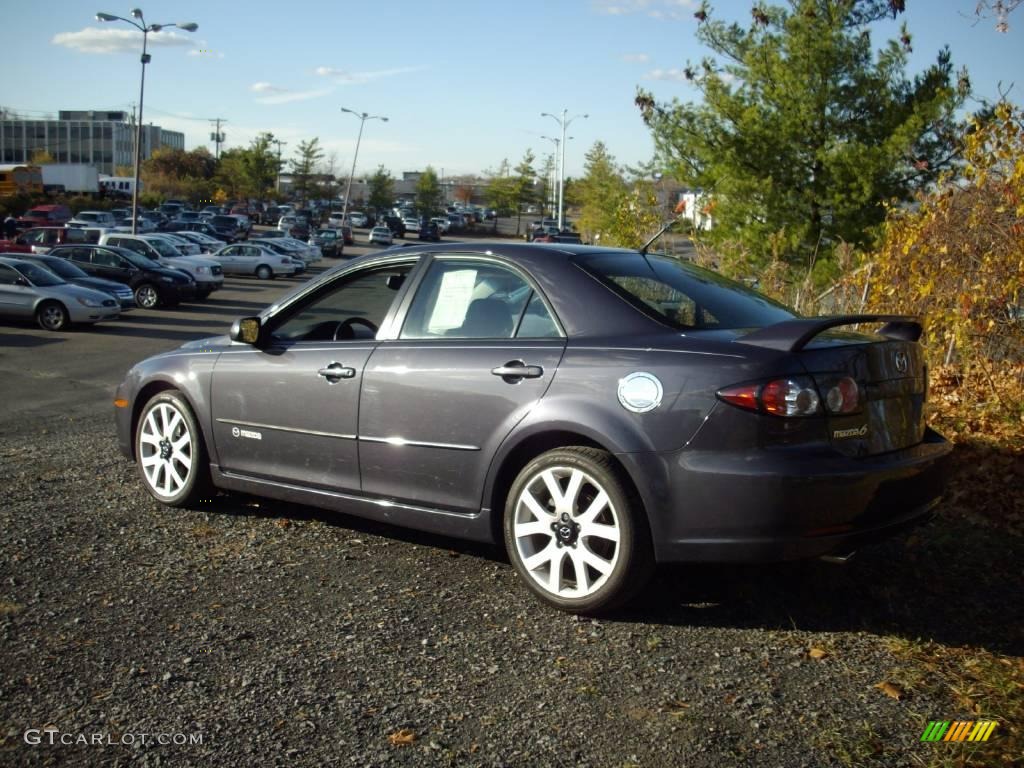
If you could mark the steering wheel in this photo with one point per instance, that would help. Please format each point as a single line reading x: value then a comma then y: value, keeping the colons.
x: 344, y: 331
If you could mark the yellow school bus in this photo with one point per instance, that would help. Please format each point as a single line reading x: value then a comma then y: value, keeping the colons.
x: 20, y: 180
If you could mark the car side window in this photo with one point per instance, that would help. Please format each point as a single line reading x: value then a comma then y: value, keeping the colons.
x: 76, y: 254
x: 106, y: 258
x: 476, y: 300
x: 8, y: 276
x: 352, y: 307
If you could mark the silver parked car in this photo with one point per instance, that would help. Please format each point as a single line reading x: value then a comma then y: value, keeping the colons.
x: 251, y: 259
x: 29, y: 291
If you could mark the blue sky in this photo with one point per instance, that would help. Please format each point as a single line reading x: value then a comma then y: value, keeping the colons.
x: 462, y: 83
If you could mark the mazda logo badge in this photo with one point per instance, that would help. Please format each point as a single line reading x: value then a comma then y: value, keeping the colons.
x: 902, y: 362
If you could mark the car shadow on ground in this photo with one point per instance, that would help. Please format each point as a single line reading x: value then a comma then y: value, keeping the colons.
x: 25, y: 340
x: 950, y: 582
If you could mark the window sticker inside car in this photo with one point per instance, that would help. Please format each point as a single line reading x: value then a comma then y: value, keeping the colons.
x: 453, y: 300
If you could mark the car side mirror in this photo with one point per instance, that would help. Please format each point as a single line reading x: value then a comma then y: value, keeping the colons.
x: 246, y: 330
x: 21, y: 281
x: 395, y: 281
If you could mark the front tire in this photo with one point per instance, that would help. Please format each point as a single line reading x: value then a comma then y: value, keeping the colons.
x: 263, y: 272
x: 146, y: 296
x: 576, y: 532
x: 170, y: 451
x: 52, y: 316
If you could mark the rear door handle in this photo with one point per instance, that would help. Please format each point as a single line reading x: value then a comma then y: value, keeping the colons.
x: 335, y: 372
x: 514, y: 370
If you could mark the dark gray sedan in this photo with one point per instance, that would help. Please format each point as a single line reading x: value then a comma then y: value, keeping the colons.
x: 599, y: 410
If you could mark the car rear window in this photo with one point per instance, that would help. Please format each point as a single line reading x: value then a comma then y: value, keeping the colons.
x: 683, y: 295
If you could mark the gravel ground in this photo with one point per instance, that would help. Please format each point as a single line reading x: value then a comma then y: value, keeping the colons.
x: 284, y: 635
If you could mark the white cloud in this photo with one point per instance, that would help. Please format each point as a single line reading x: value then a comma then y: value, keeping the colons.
x: 97, y: 40
x: 273, y: 94
x: 343, y: 77
x: 656, y: 9
x: 637, y: 58
x: 674, y: 74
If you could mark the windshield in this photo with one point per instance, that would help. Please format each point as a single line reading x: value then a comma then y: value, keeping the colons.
x: 63, y: 268
x: 165, y: 249
x: 682, y: 294
x: 138, y: 260
x: 38, y: 276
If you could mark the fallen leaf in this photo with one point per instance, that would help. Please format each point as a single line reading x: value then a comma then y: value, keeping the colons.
x: 817, y: 653
x: 891, y: 690
x: 283, y: 522
x: 402, y: 738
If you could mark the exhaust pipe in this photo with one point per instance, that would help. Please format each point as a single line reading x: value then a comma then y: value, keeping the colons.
x: 838, y: 559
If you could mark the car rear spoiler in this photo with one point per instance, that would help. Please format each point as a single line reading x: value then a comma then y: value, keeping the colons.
x: 793, y: 335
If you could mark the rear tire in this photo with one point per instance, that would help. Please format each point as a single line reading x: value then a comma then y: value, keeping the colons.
x: 170, y: 451
x: 52, y: 316
x: 576, y: 532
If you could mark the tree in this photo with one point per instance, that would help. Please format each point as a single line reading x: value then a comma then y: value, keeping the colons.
x: 42, y: 157
x: 803, y: 131
x: 464, y: 193
x: 382, y: 189
x: 259, y: 168
x: 170, y: 172
x: 545, y: 176
x: 599, y: 193
x: 307, y: 156
x: 429, y: 198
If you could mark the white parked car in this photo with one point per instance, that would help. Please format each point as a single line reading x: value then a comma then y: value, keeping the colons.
x: 253, y: 259
x: 289, y: 246
x: 336, y: 219
x: 183, y: 244
x: 145, y: 225
x: 93, y: 219
x: 381, y: 236
x: 206, y: 243
x: 443, y: 223
x: 208, y: 274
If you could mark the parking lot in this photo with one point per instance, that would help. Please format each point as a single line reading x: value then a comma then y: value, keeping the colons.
x: 285, y: 635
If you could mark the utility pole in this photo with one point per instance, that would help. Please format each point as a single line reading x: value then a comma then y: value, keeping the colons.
x: 277, y: 187
x: 217, y: 137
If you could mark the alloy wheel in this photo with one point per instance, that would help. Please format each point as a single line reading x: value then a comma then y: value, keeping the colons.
x: 567, y: 532
x: 53, y: 317
x: 166, y: 449
x: 146, y: 296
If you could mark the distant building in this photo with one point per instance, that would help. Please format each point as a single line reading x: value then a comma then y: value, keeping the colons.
x: 103, y: 139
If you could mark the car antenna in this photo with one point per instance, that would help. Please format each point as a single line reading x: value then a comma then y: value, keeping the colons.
x: 668, y: 225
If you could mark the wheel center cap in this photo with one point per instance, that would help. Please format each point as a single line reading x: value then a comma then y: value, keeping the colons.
x: 566, y: 532
x: 165, y: 449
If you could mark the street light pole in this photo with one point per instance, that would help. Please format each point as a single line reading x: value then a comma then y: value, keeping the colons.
x: 145, y: 29
x: 564, y: 123
x: 363, y: 117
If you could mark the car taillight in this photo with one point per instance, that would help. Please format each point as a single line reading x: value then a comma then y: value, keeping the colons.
x: 792, y: 396
x: 843, y: 396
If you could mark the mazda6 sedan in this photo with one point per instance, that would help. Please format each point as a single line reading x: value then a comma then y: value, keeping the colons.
x: 599, y: 411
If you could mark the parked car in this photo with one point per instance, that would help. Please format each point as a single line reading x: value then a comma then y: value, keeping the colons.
x: 358, y: 219
x: 442, y: 222
x: 428, y: 231
x: 331, y: 242
x: 42, y: 239
x: 203, y: 228
x: 381, y: 236
x: 206, y: 273
x: 45, y: 216
x: 395, y: 225
x: 183, y: 244
x: 252, y: 259
x: 294, y: 226
x: 75, y: 275
x: 411, y: 222
x: 30, y: 291
x: 598, y: 410
x: 206, y: 243
x: 144, y: 226
x: 226, y: 227
x: 288, y: 246
x: 152, y: 284
x: 93, y: 219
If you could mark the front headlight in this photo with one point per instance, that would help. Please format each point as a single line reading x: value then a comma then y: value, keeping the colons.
x: 202, y: 270
x: 89, y: 302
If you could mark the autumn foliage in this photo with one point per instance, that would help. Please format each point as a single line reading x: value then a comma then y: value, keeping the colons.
x: 958, y: 260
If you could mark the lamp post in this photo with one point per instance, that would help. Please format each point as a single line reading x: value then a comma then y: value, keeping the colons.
x: 139, y: 23
x: 554, y: 181
x: 363, y: 117
x: 564, y: 121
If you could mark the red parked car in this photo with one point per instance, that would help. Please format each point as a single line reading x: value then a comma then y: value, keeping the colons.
x: 45, y: 216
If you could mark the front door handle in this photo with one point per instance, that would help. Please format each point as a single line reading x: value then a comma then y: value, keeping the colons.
x: 514, y: 370
x: 335, y: 372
